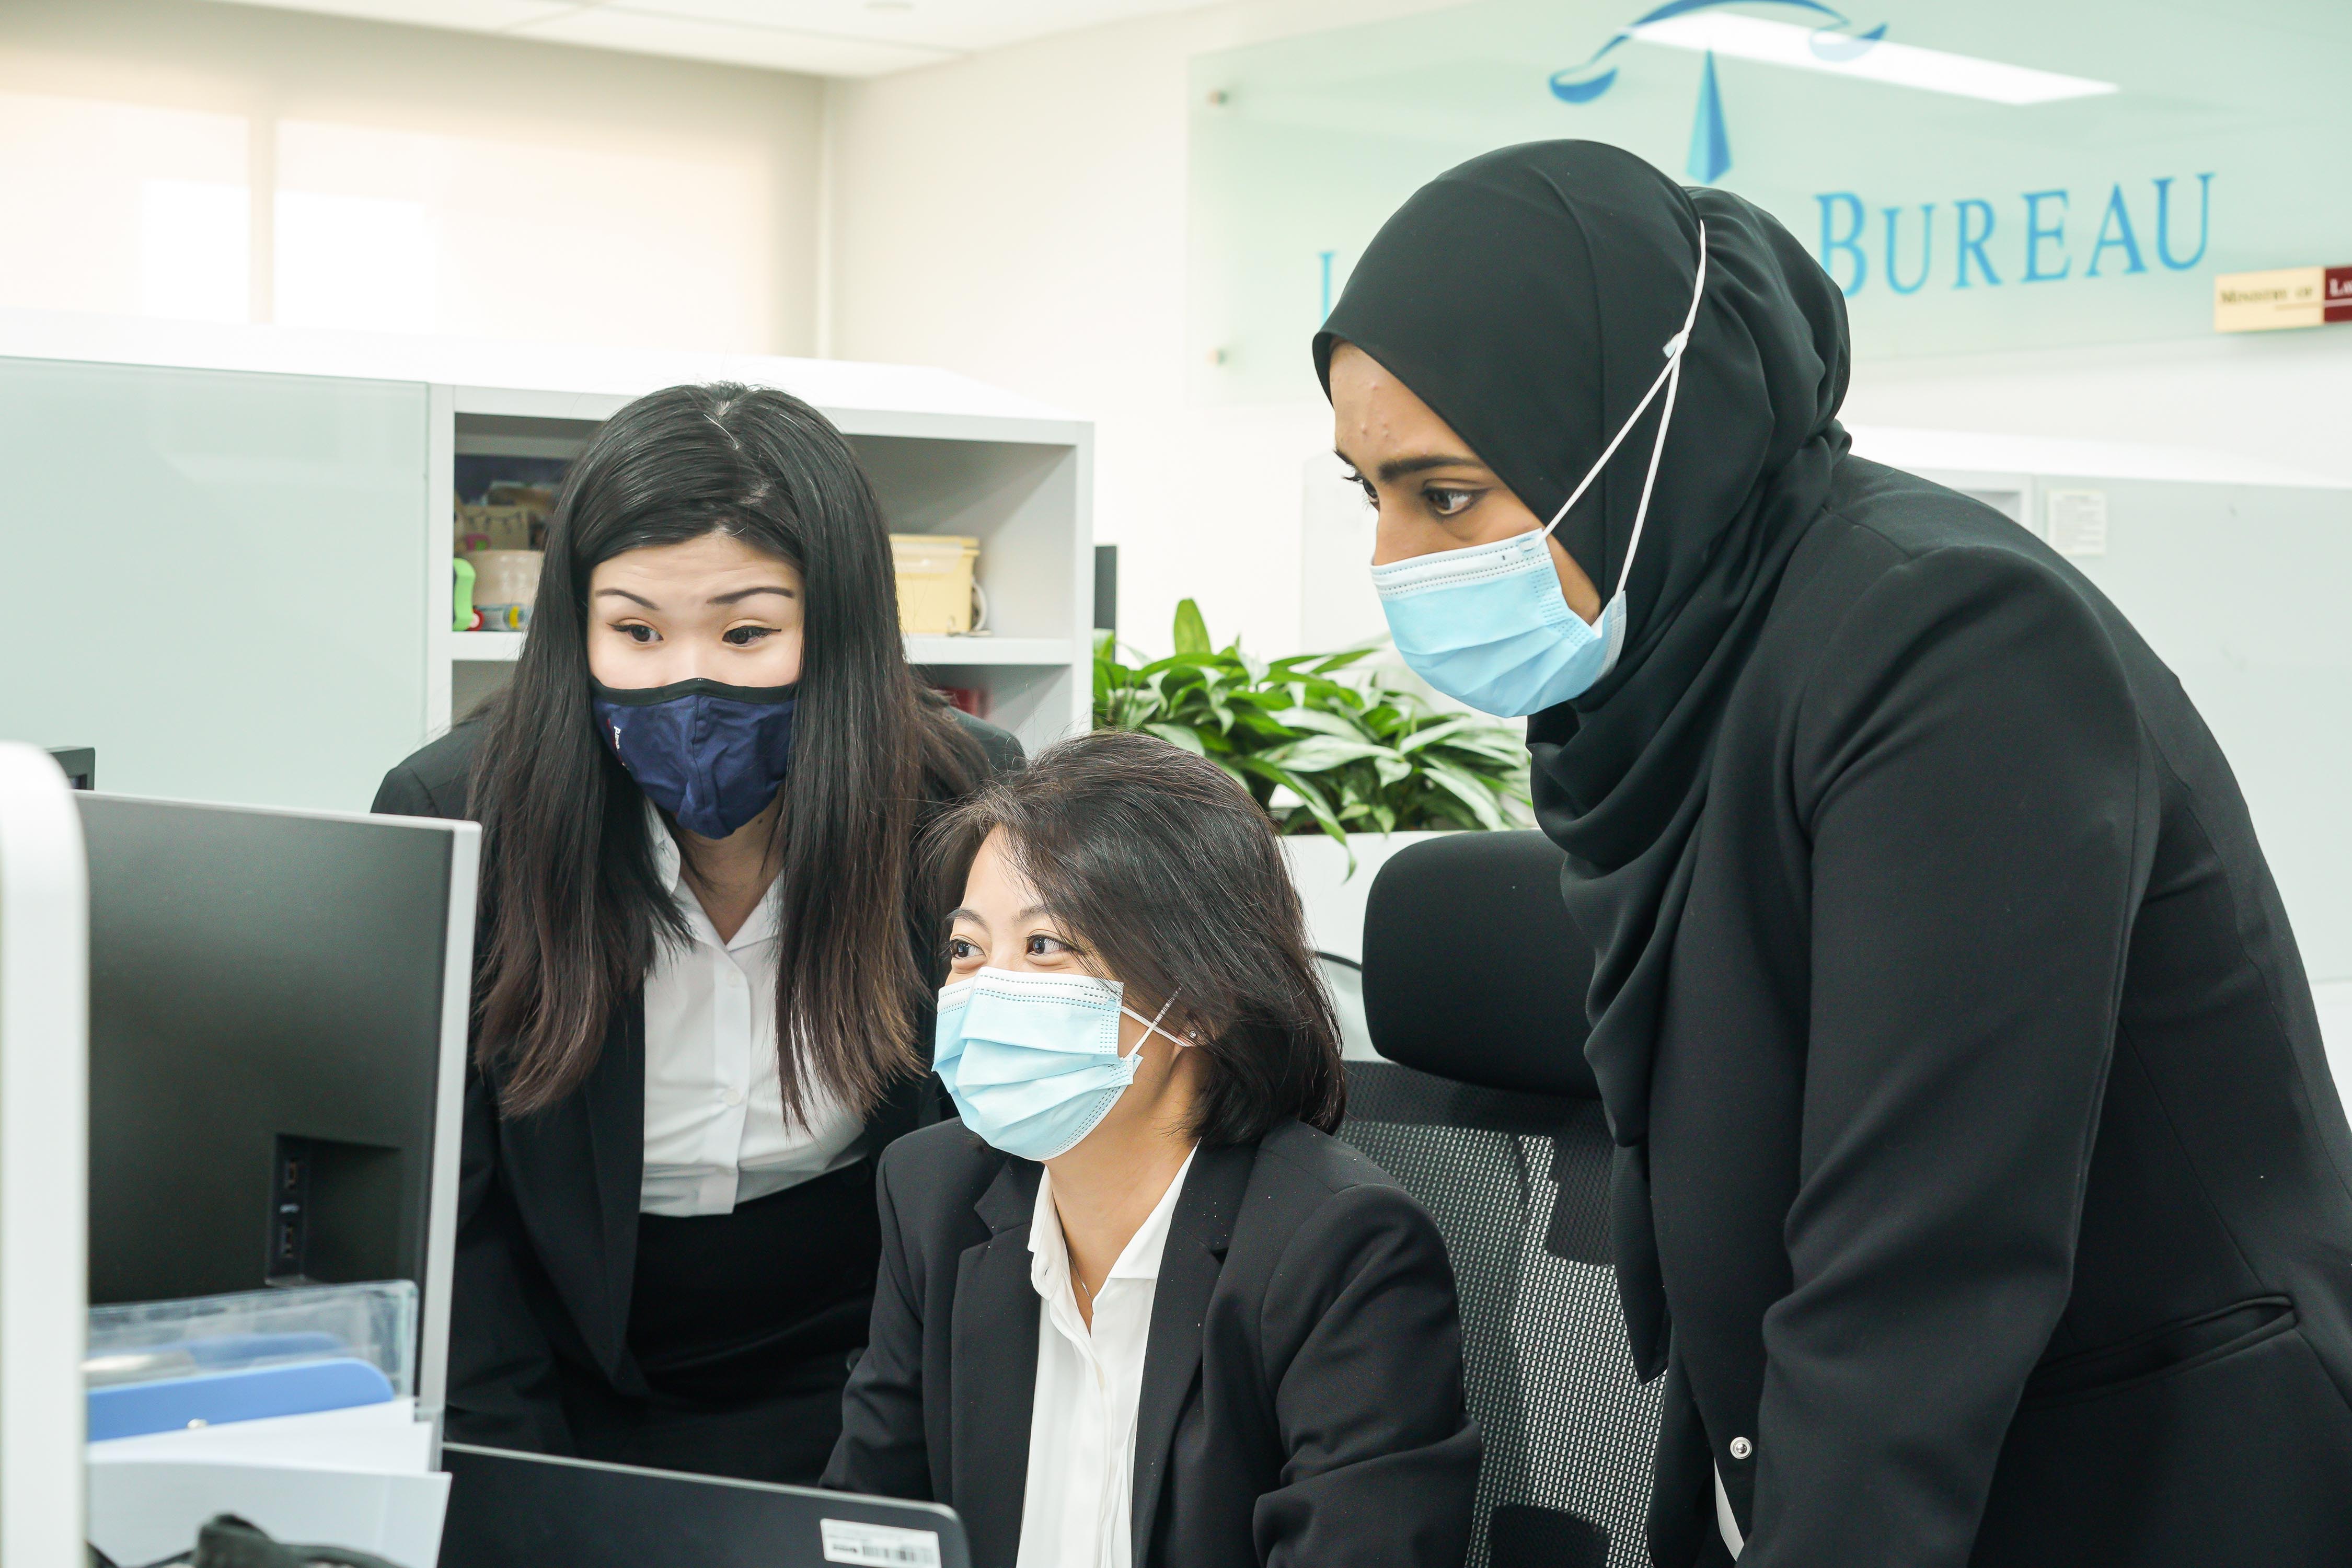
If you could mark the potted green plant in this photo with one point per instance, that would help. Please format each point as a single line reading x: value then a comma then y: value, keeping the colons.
x: 1351, y: 764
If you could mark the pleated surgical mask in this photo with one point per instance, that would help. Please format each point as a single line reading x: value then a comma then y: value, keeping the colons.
x: 1031, y: 1061
x: 1488, y: 625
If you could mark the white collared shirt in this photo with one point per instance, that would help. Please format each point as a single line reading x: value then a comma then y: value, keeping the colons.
x: 1075, y: 1510
x: 715, y: 1129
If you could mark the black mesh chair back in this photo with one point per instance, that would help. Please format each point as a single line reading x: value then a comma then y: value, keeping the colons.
x: 1474, y: 988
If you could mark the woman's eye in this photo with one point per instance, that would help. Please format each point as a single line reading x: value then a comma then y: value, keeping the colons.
x: 1047, y: 946
x: 1448, y: 503
x: 637, y: 633
x: 959, y: 951
x: 744, y: 636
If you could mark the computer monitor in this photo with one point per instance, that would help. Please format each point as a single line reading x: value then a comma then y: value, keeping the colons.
x: 277, y: 1009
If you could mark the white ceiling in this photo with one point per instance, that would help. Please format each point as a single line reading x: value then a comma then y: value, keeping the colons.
x: 829, y: 38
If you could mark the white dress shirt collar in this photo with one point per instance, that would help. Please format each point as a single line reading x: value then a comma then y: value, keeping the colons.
x: 716, y: 1135
x: 1077, y: 1506
x: 670, y: 867
x: 1049, y: 1250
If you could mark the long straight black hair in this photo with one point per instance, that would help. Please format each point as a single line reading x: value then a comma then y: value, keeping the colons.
x: 572, y: 905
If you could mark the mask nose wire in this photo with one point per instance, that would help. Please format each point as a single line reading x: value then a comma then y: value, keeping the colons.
x: 1673, y: 351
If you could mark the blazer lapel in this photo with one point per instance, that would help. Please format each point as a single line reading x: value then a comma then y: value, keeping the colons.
x: 574, y: 1171
x: 615, y: 1099
x: 1198, y: 1233
x: 992, y: 1370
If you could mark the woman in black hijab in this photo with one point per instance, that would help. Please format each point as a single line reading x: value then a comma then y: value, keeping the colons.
x: 1981, y: 1189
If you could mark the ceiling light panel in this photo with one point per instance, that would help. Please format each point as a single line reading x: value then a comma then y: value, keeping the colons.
x: 468, y: 16
x: 638, y: 30
x: 1894, y: 65
x: 952, y: 26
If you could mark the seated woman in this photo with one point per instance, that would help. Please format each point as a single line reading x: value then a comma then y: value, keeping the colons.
x: 1139, y: 1308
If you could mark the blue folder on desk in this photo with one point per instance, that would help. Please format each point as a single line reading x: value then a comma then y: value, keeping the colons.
x: 246, y: 1393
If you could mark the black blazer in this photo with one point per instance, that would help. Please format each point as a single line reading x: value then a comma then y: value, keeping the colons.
x: 547, y: 1204
x: 1302, y: 1384
x: 2003, y: 1196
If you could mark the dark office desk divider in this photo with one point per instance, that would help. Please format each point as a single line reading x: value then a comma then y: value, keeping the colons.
x: 527, y: 1510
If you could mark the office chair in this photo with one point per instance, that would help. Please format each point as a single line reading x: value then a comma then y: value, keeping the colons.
x: 1474, y: 985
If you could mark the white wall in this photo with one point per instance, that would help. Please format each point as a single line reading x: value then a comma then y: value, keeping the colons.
x: 555, y: 193
x: 2274, y: 396
x: 1020, y: 215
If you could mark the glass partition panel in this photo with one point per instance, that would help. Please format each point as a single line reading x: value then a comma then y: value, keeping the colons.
x: 216, y: 580
x: 2002, y: 175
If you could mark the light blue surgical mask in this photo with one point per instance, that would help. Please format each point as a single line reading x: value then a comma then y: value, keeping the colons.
x: 1031, y: 1061
x: 1488, y: 625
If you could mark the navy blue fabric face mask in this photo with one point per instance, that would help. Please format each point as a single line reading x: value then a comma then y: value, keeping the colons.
x: 711, y: 754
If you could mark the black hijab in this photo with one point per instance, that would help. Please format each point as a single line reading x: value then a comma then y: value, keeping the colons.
x: 1526, y: 297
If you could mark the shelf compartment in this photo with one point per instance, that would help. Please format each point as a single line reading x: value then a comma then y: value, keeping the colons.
x: 503, y: 647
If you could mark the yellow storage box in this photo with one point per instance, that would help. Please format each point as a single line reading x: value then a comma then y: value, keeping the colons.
x: 935, y: 588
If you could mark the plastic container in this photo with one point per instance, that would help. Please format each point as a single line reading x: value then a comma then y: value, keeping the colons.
x: 935, y: 581
x: 505, y: 581
x: 155, y: 1366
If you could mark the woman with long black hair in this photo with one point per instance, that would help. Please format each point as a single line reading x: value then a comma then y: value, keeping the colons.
x: 1982, y: 1191
x: 703, y: 972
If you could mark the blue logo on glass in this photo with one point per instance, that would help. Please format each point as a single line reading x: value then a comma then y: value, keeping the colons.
x: 1710, y: 144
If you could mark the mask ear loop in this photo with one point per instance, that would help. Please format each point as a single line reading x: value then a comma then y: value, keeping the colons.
x: 1668, y: 378
x: 1151, y: 1024
x: 1675, y: 347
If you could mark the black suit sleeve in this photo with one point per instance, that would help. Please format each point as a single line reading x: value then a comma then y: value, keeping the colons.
x: 503, y: 1389
x: 403, y: 794
x: 433, y: 780
x: 1365, y: 1339
x: 503, y: 1373
x: 1971, y: 771
x: 883, y: 1450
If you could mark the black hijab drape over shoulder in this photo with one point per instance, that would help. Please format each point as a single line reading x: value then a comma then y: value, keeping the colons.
x: 1975, y: 1127
x: 1528, y: 297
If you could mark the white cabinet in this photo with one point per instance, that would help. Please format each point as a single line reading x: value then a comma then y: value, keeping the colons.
x: 235, y: 542
x: 1020, y: 485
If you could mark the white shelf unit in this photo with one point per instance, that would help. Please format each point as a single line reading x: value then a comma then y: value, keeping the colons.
x: 1022, y: 485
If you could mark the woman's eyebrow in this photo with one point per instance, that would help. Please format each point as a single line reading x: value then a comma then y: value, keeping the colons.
x: 1396, y: 468
x: 741, y: 594
x: 624, y: 594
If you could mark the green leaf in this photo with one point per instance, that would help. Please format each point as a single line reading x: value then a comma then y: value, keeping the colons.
x: 1467, y: 789
x: 1265, y: 724
x: 1346, y: 729
x: 1484, y: 756
x: 1192, y: 632
x: 1179, y: 734
x: 1317, y: 752
x: 1436, y: 732
x: 1313, y: 798
x: 1325, y: 664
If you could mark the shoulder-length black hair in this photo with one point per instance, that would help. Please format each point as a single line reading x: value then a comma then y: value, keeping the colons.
x: 1168, y: 876
x: 571, y: 904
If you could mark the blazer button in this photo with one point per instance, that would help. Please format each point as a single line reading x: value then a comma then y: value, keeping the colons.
x: 1741, y: 1447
